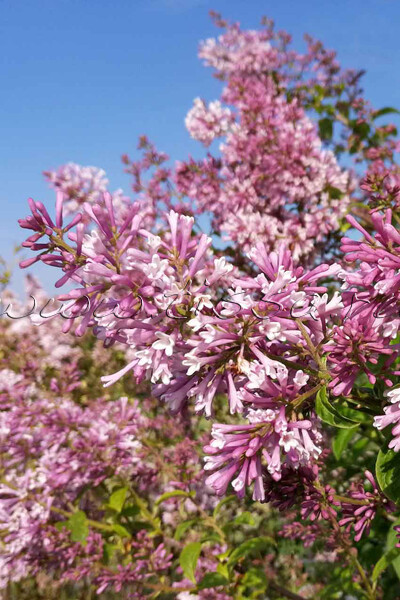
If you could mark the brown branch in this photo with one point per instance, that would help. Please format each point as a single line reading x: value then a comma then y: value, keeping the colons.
x: 284, y: 592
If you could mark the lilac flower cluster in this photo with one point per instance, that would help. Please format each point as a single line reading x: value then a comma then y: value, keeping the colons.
x: 281, y: 337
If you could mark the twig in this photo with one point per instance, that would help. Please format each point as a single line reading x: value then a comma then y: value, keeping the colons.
x: 284, y: 592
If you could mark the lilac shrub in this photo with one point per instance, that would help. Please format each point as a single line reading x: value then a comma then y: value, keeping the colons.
x: 287, y: 340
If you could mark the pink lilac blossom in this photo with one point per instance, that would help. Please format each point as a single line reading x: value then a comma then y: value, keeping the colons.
x: 57, y: 453
x: 82, y: 184
x: 265, y: 328
x: 159, y: 296
x: 138, y: 572
x: 391, y: 418
x: 360, y: 516
x: 236, y: 452
x: 51, y: 450
x: 307, y: 533
x: 205, y: 123
x: 274, y: 180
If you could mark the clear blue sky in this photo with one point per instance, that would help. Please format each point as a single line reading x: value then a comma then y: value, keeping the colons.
x: 82, y: 79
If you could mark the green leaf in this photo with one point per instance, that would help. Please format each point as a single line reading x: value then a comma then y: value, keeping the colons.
x: 384, y: 562
x: 354, y: 414
x: 60, y: 525
x: 362, y: 130
x: 360, y: 445
x: 245, y: 518
x: 78, y: 526
x: 249, y: 547
x: 341, y: 441
x: 182, y: 527
x: 385, y: 111
x: 325, y: 127
x: 388, y: 473
x: 343, y: 108
x: 334, y: 192
x: 174, y: 494
x: 222, y: 503
x: 211, y: 536
x: 391, y: 543
x: 130, y: 511
x: 223, y: 570
x: 117, y: 499
x: 121, y: 530
x: 328, y: 414
x: 188, y: 559
x: 255, y: 579
x: 108, y: 551
x: 211, y: 580
x: 223, y: 556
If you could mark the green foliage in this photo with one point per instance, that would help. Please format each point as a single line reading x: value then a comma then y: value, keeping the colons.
x: 245, y: 518
x: 341, y: 441
x: 117, y: 499
x: 325, y: 127
x: 222, y: 503
x: 253, y: 584
x: 78, y: 526
x: 250, y: 547
x: 388, y: 473
x: 121, y: 531
x: 183, y: 527
x: 329, y: 414
x: 385, y: 111
x: 173, y: 494
x: 188, y: 560
x: 390, y: 544
x: 211, y: 580
x: 384, y: 562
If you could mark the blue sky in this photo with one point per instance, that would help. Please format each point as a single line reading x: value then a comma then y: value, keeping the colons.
x: 82, y: 79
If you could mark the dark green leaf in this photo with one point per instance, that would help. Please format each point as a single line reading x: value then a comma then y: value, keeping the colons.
x: 254, y: 579
x: 354, y: 414
x: 392, y: 540
x: 249, y: 547
x: 343, y: 108
x: 130, y: 511
x: 360, y: 445
x: 385, y: 111
x: 362, y: 130
x: 325, y: 127
x: 341, y: 441
x: 211, y: 580
x: 334, y: 192
x: 184, y: 526
x: 328, y: 414
x: 384, y: 562
x: 388, y: 473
